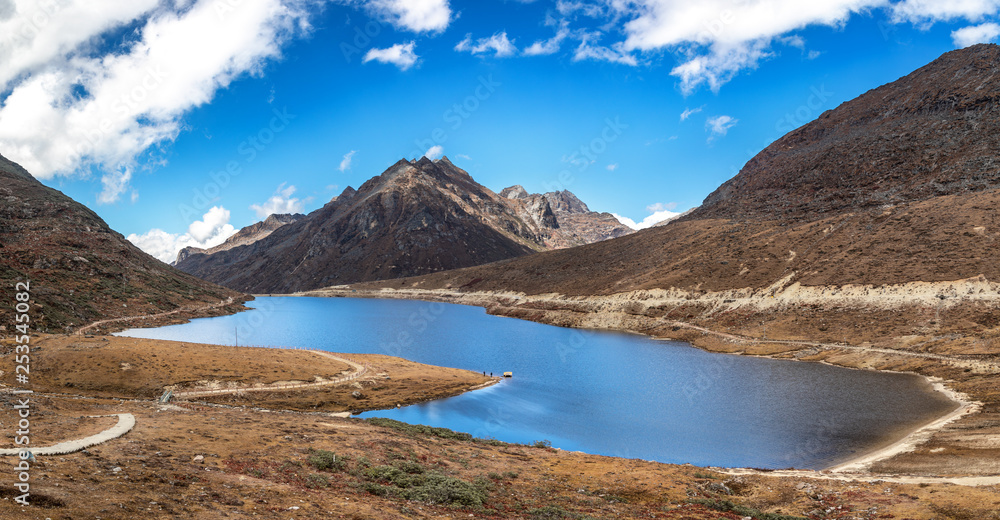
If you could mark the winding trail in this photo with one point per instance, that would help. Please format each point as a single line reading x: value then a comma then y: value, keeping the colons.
x: 358, y: 371
x: 966, y: 363
x: 85, y: 328
x: 126, y: 422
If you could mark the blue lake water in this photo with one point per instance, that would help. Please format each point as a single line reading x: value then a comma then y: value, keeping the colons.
x: 600, y: 392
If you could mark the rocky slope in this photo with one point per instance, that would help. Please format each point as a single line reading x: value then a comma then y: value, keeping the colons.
x: 80, y: 269
x: 245, y: 236
x: 563, y: 219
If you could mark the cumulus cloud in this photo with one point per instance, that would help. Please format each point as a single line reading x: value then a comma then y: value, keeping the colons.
x: 281, y: 202
x: 657, y: 216
x: 719, y: 126
x: 212, y: 230
x: 400, y: 55
x: 982, y: 33
x: 435, y: 152
x: 498, y: 44
x: 345, y: 163
x: 69, y: 110
x: 414, y: 15
x: 720, y: 38
x: 612, y: 167
x: 688, y: 112
x: 929, y: 11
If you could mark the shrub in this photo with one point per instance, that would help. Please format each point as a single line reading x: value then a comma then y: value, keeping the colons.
x: 326, y: 460
x: 410, y: 467
x: 442, y: 489
x: 545, y: 443
x: 420, y: 429
x: 726, y: 506
x: 317, y: 481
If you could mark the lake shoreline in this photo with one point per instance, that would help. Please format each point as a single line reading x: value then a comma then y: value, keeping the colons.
x: 855, y: 467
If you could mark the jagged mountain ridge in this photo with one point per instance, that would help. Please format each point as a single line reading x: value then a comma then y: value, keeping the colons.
x: 564, y: 219
x: 898, y: 185
x: 80, y: 269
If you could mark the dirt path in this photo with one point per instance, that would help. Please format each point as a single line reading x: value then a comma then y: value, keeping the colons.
x: 991, y: 480
x: 126, y: 422
x: 359, y: 370
x: 965, y: 363
x: 85, y: 328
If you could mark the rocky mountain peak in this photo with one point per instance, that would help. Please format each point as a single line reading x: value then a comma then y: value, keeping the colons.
x: 514, y: 192
x: 565, y: 202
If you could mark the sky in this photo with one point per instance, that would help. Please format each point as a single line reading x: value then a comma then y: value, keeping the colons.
x: 181, y: 121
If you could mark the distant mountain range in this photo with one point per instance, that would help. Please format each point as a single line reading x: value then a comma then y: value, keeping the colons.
x: 898, y: 185
x: 417, y: 217
x: 80, y: 269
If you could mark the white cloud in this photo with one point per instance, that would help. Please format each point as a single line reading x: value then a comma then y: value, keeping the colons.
x: 982, y: 33
x: 400, y: 55
x: 279, y: 203
x: 435, y: 152
x: 612, y: 167
x: 463, y: 156
x: 590, y: 50
x: 688, y: 112
x: 550, y: 46
x: 929, y: 11
x: 568, y: 8
x: 498, y: 44
x: 719, y: 38
x: 655, y: 218
x: 661, y: 206
x: 415, y: 15
x: 719, y: 125
x: 69, y: 110
x: 212, y: 230
x: 345, y: 163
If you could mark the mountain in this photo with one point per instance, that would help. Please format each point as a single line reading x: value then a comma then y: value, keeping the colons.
x: 245, y: 236
x: 899, y: 185
x: 564, y: 219
x: 416, y: 217
x: 80, y: 269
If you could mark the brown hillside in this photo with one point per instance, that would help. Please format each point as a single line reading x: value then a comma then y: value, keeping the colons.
x: 80, y: 269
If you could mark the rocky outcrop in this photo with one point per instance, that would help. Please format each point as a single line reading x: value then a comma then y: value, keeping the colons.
x: 562, y: 218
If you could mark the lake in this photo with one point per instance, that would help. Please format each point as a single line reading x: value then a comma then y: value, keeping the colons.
x: 600, y: 392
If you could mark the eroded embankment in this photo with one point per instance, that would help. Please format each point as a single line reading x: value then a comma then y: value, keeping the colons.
x: 944, y: 331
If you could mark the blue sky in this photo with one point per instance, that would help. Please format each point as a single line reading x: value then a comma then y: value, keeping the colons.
x: 180, y: 121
